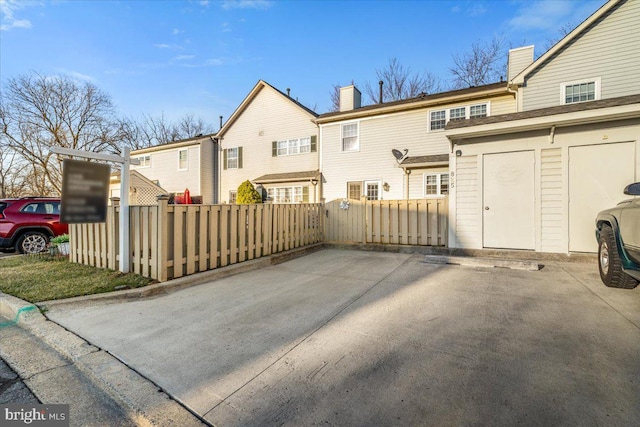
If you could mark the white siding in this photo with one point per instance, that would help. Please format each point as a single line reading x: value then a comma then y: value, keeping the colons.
x: 206, y: 171
x: 467, y: 219
x: 609, y: 50
x: 378, y: 136
x: 270, y: 116
x: 552, y: 207
x: 164, y: 168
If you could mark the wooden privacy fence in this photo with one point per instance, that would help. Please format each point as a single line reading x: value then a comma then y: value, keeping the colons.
x: 401, y: 222
x: 170, y: 241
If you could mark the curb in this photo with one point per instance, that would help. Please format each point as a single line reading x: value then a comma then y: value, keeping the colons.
x: 482, y: 262
x: 141, y: 399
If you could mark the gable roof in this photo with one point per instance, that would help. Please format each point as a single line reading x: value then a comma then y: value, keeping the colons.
x: 250, y: 97
x: 174, y: 144
x: 421, y: 101
x: 566, y: 40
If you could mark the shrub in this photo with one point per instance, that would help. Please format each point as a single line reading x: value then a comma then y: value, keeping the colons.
x: 247, y: 194
x: 63, y: 238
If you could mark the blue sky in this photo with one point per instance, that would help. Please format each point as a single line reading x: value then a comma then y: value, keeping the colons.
x: 203, y: 57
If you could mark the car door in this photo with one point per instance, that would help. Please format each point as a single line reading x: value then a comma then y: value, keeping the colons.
x: 629, y: 223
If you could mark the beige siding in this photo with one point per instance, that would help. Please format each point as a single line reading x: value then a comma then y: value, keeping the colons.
x: 552, y: 207
x: 206, y: 171
x: 609, y: 51
x: 416, y: 181
x: 467, y: 220
x: 164, y: 169
x: 378, y: 136
x: 519, y: 59
x: 270, y: 116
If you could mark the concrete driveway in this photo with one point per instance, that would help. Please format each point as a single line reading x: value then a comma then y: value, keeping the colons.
x: 364, y: 338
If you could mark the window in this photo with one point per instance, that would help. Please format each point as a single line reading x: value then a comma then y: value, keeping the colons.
x: 580, y: 91
x: 479, y: 110
x: 232, y: 158
x: 145, y: 161
x: 183, y: 160
x: 436, y: 184
x: 295, y: 194
x: 438, y: 119
x: 354, y: 190
x: 305, y: 145
x: 233, y: 196
x: 350, y: 137
x: 458, y: 113
x: 42, y: 208
x: 293, y: 146
x: 372, y: 190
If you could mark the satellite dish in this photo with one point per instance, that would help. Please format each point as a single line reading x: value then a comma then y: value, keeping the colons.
x: 399, y: 155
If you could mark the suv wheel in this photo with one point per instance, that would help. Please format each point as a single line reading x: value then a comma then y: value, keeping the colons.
x: 609, y: 262
x: 32, y: 242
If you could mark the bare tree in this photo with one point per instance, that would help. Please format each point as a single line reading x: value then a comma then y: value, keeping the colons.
x: 151, y: 131
x: 400, y: 82
x: 12, y: 173
x: 483, y: 64
x: 335, y: 99
x: 562, y: 32
x: 39, y: 112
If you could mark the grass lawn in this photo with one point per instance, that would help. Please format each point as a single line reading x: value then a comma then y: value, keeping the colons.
x: 43, y: 277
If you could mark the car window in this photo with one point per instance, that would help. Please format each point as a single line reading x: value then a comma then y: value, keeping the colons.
x: 30, y: 208
x: 2, y: 206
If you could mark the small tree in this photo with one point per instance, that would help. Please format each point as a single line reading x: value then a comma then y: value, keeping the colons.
x: 247, y: 194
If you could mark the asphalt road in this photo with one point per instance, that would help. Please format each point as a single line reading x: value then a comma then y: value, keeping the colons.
x: 361, y: 338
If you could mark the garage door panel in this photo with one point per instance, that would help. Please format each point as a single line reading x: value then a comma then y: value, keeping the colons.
x: 597, y: 177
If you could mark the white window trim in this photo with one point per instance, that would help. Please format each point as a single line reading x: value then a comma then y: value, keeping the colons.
x: 292, y: 189
x: 447, y: 113
x: 143, y: 166
x: 424, y: 185
x: 563, y: 88
x: 372, y: 181
x: 308, y: 138
x: 237, y: 157
x: 180, y: 151
x: 357, y: 123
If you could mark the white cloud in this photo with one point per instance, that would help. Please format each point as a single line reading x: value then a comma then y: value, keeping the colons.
x: 246, y: 4
x: 7, y: 14
x: 226, y: 27
x: 176, y: 31
x: 167, y: 46
x: 455, y: 9
x: 542, y: 15
x: 183, y: 57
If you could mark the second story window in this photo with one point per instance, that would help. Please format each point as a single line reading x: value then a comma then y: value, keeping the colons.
x: 438, y: 119
x: 232, y: 158
x: 183, y: 160
x: 458, y: 113
x: 581, y: 92
x: 479, y: 110
x: 288, y: 147
x: 145, y: 161
x: 350, y: 140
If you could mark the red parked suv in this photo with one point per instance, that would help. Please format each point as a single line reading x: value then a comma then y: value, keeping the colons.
x: 27, y: 224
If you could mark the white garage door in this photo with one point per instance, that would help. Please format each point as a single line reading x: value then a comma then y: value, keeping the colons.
x: 597, y: 177
x: 508, y: 197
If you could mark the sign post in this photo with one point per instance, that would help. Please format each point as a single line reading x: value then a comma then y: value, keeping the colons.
x: 125, y: 161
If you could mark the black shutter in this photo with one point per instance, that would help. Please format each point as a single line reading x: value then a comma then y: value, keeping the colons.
x: 224, y: 164
x: 274, y: 149
x: 314, y: 143
x: 239, y: 157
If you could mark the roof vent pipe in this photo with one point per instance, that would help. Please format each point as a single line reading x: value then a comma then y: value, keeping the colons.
x: 381, y: 83
x: 289, y: 92
x: 220, y: 122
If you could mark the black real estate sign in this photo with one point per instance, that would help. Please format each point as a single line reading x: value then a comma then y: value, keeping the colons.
x: 85, y: 188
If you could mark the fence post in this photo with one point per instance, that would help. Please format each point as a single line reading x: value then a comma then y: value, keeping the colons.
x: 163, y: 241
x: 112, y: 234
